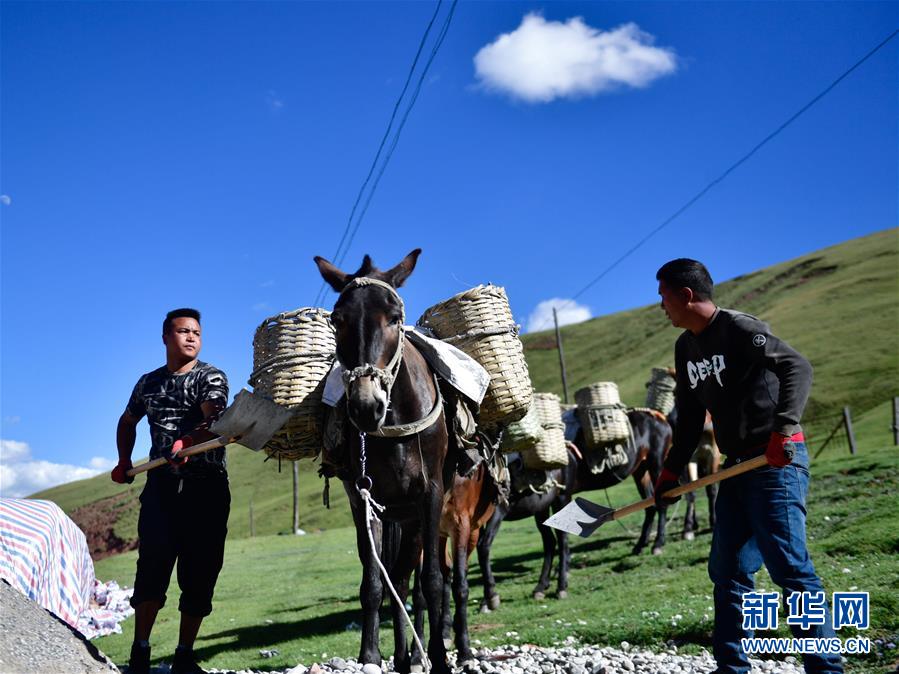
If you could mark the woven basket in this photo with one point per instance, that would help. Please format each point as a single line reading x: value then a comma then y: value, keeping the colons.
x: 292, y: 355
x: 551, y: 451
x: 479, y: 322
x: 523, y: 434
x: 660, y: 391
x: 602, y: 415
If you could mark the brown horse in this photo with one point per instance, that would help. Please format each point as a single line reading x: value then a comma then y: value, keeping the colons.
x: 396, y: 456
x: 706, y: 460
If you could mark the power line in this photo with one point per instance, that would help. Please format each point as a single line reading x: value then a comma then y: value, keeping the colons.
x: 724, y: 175
x: 434, y: 50
x: 338, y: 255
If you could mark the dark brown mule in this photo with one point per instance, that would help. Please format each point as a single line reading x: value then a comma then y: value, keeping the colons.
x: 644, y: 458
x: 390, y: 391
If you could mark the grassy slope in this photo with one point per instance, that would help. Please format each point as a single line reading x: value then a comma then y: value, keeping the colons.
x: 838, y: 306
x: 299, y: 594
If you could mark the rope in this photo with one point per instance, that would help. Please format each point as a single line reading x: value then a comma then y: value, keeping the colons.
x: 370, y: 515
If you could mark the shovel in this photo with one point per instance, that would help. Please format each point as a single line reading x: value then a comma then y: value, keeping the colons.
x: 251, y: 421
x: 582, y: 517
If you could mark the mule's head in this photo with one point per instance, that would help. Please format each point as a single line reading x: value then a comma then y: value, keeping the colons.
x: 368, y: 320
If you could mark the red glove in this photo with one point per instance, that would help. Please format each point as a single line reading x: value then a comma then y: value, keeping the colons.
x: 181, y: 443
x: 780, y: 451
x: 120, y: 472
x: 667, y: 481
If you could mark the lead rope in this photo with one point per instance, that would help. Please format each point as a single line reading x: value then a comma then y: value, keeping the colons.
x: 372, y: 508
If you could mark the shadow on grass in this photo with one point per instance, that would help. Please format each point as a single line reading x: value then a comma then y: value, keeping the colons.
x: 269, y: 634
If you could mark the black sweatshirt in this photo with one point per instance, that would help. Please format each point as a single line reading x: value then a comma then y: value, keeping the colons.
x: 750, y: 381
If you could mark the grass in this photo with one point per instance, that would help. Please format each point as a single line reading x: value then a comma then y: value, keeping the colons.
x: 299, y: 595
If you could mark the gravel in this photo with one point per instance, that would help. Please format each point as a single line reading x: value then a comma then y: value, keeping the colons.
x: 527, y: 659
x: 34, y: 640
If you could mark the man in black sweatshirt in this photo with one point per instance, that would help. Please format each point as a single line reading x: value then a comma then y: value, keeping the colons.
x: 755, y: 386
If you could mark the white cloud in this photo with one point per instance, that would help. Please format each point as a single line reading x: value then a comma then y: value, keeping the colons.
x: 21, y: 475
x: 5, y: 199
x: 273, y: 100
x: 542, y: 60
x: 569, y: 312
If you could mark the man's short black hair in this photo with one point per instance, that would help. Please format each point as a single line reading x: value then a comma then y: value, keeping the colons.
x: 686, y: 273
x: 186, y: 312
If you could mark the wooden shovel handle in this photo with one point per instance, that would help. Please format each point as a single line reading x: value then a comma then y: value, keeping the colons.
x: 190, y: 451
x: 738, y: 469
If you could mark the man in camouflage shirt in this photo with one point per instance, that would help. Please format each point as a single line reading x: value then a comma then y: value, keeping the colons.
x: 185, y: 505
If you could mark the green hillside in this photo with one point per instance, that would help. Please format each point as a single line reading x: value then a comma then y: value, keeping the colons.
x: 838, y: 306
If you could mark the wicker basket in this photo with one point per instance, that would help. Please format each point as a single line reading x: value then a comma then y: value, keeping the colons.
x: 292, y: 355
x: 523, y: 434
x: 551, y: 451
x: 479, y: 322
x: 660, y: 391
x: 602, y: 415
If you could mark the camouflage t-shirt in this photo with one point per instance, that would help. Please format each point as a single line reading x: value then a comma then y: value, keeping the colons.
x: 172, y: 402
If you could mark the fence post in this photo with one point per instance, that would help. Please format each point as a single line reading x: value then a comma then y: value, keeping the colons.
x: 896, y: 421
x: 847, y: 422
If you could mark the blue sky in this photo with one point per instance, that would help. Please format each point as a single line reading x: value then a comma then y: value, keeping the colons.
x: 157, y: 155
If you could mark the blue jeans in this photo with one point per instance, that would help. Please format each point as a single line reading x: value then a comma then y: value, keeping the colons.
x: 761, y: 518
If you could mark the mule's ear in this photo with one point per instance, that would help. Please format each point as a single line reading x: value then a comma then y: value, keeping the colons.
x: 332, y: 275
x: 398, y: 275
x: 366, y: 267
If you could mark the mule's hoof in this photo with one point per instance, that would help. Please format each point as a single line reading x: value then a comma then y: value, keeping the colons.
x: 493, y: 602
x: 657, y: 551
x: 563, y: 594
x: 689, y: 536
x: 447, y: 643
x: 637, y: 549
x: 539, y: 596
x: 484, y: 608
x: 416, y: 668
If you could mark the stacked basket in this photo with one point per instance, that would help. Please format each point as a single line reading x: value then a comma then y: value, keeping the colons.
x: 551, y: 451
x: 523, y: 434
x: 479, y: 322
x: 660, y: 391
x: 602, y: 415
x: 292, y: 355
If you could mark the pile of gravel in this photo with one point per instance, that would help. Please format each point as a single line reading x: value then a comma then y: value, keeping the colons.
x: 527, y: 659
x: 34, y: 640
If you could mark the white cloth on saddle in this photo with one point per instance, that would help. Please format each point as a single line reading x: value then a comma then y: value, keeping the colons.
x: 456, y: 367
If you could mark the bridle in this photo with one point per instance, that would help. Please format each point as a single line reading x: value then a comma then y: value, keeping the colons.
x: 387, y: 375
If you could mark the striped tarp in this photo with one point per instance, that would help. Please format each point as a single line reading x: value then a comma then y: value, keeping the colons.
x: 44, y: 555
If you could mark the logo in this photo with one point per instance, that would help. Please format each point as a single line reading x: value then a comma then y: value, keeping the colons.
x: 701, y: 370
x: 759, y: 340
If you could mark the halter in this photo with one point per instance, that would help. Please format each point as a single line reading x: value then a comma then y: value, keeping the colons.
x: 387, y: 375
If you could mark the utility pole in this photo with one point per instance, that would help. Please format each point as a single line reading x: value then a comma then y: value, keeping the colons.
x: 561, y: 356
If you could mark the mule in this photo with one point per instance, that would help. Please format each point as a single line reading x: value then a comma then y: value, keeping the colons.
x: 706, y: 460
x: 395, y: 451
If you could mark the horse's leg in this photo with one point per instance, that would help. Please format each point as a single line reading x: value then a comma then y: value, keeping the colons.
x: 462, y: 541
x: 432, y: 578
x: 689, y: 530
x: 371, y: 589
x: 418, y: 609
x: 485, y: 543
x: 406, y: 560
x: 644, y: 486
x: 712, y: 493
x: 549, y: 554
x: 446, y: 617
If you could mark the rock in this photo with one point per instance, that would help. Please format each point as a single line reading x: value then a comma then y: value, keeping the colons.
x: 371, y: 669
x: 337, y: 663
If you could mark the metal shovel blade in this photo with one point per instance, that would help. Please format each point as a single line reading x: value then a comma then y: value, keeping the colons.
x: 580, y: 517
x: 252, y: 419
